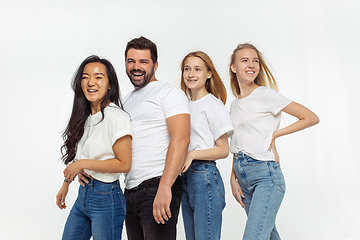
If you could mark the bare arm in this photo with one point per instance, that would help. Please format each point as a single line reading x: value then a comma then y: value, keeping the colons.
x: 306, y: 119
x: 179, y: 131
x: 220, y: 151
x: 121, y: 162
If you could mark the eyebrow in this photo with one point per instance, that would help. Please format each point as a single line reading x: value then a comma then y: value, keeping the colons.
x: 141, y: 60
x: 248, y: 58
x: 95, y: 74
x: 198, y: 66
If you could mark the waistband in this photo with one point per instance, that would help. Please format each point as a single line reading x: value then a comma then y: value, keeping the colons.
x: 203, y: 161
x: 153, y: 182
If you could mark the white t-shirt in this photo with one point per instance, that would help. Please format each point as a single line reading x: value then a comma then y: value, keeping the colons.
x: 255, y: 118
x: 209, y: 120
x: 99, y: 138
x: 149, y: 107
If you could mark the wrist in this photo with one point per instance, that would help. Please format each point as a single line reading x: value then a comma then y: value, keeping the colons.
x: 67, y: 181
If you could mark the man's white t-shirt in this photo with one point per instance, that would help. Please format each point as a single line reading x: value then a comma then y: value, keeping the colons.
x: 149, y: 107
x: 99, y: 138
x: 209, y: 120
x: 255, y: 118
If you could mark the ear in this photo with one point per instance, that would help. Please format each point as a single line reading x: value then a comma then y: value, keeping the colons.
x: 233, y: 69
x: 156, y: 64
x: 209, y: 75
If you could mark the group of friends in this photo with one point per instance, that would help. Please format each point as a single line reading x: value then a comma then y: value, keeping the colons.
x: 166, y: 141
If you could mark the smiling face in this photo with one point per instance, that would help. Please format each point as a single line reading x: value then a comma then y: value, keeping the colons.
x: 195, y: 73
x: 95, y: 84
x: 139, y: 67
x: 246, y: 66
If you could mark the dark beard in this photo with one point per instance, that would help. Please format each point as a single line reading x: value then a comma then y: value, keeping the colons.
x: 147, y: 78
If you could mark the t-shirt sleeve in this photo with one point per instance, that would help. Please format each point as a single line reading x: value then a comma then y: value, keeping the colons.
x: 120, y: 126
x: 220, y: 121
x: 175, y: 102
x: 275, y: 101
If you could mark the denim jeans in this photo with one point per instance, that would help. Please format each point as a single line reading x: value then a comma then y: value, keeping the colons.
x: 203, y: 201
x: 140, y: 223
x: 263, y: 185
x: 98, y: 211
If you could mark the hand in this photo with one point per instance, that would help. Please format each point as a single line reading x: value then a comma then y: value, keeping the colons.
x: 83, y: 178
x: 237, y: 191
x: 73, y: 169
x: 273, y: 149
x: 188, y: 160
x: 161, y: 205
x: 60, y: 197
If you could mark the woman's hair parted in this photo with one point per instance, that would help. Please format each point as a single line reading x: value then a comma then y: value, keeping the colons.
x: 81, y: 106
x: 264, y: 78
x: 213, y: 85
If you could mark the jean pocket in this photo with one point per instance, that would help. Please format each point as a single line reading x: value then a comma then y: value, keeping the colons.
x: 254, y: 162
x: 151, y: 191
x: 104, y: 188
x: 197, y: 167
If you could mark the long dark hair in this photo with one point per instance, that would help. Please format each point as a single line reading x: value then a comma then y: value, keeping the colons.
x: 81, y: 107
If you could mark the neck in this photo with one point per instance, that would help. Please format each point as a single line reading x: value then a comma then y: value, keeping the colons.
x: 246, y: 90
x: 196, y: 94
x: 96, y: 108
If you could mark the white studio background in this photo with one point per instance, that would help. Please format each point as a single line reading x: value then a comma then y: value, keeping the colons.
x: 312, y: 47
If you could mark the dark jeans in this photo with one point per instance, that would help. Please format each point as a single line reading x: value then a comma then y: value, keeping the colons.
x: 139, y: 220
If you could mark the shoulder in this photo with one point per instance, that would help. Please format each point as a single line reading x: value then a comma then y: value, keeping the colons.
x: 113, y: 111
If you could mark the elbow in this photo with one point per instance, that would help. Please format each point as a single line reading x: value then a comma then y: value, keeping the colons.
x: 223, y: 151
x: 315, y: 120
x: 126, y: 167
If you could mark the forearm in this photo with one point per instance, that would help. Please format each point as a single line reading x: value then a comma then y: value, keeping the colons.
x: 306, y: 119
x: 211, y: 153
x: 295, y: 127
x: 220, y: 151
x: 106, y: 166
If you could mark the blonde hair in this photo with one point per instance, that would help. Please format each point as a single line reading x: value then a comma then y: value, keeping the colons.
x: 264, y: 78
x: 213, y: 85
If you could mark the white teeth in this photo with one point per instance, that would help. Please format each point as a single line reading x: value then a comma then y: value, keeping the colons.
x: 92, y: 90
x: 137, y: 74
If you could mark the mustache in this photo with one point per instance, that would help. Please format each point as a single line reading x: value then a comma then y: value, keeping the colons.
x: 137, y: 71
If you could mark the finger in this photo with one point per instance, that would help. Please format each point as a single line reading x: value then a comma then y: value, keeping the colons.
x: 58, y: 201
x: 164, y: 216
x: 157, y: 216
x: 185, y: 168
x: 168, y: 212
x: 242, y: 204
x: 241, y: 193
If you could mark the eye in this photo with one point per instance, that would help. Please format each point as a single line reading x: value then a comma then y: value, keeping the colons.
x: 186, y: 69
x: 244, y: 60
x: 256, y: 60
x: 197, y: 69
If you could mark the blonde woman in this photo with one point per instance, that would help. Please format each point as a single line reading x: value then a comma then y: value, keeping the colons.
x: 204, y: 194
x: 257, y: 181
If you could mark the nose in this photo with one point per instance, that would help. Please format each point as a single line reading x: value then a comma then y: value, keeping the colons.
x: 191, y: 73
x: 136, y: 65
x: 251, y: 64
x: 91, y: 81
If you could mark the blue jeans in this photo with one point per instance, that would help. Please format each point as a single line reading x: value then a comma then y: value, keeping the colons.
x: 203, y: 201
x: 263, y: 185
x: 99, y: 211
